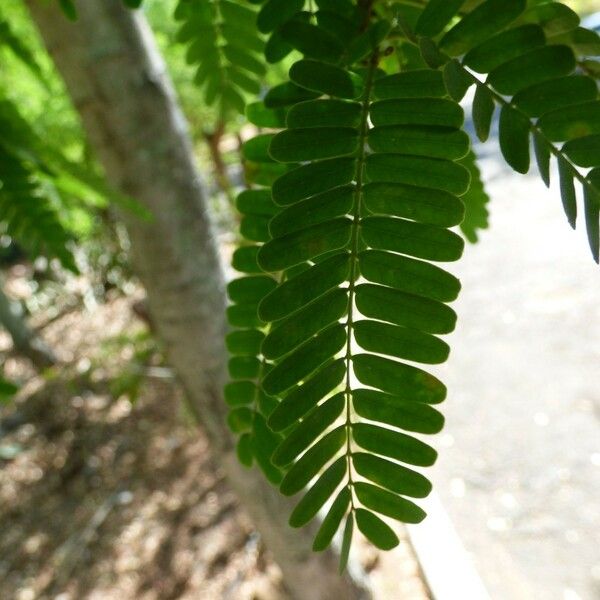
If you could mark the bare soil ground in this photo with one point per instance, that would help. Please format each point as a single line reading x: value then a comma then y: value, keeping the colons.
x: 104, y: 499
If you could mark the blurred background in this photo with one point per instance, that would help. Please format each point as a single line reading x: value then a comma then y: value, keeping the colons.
x: 107, y: 492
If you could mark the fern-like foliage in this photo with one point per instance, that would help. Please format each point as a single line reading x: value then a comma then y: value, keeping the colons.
x: 249, y: 405
x: 27, y: 213
x: 11, y: 41
x: 226, y: 47
x: 529, y: 55
x: 361, y: 173
x: 369, y: 188
x: 27, y: 210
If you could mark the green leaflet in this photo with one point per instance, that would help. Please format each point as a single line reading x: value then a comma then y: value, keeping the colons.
x: 245, y: 342
x: 423, y: 111
x: 324, y: 113
x: 434, y: 142
x: 392, y: 376
x: 394, y: 306
x: 306, y: 432
x: 393, y: 444
x: 426, y: 205
x: 391, y: 475
x: 9, y: 39
x: 299, y: 327
x: 295, y: 293
x: 304, y: 244
x: 430, y: 54
x: 250, y: 289
x: 257, y: 148
x: 244, y: 367
x: 346, y: 541
x: 312, y: 41
x: 504, y: 47
x: 553, y: 17
x: 567, y: 191
x: 263, y: 443
x: 439, y: 174
x: 27, y: 208
x: 514, y: 139
x: 542, y: 157
x: 556, y: 94
x: 535, y: 67
x: 261, y: 116
x: 312, y: 179
x: 401, y: 342
x: 483, y: 112
x: 296, y: 404
x: 422, y: 83
x: 332, y: 521
x: 375, y: 530
x: 341, y: 25
x: 388, y: 504
x: 571, y: 122
x: 286, y: 94
x: 240, y: 419
x: 457, y: 81
x: 243, y: 315
x: 238, y: 393
x: 409, y: 275
x: 256, y: 202
x: 436, y: 15
x: 275, y: 13
x: 304, y: 360
x: 297, y: 145
x: 584, y: 151
x: 488, y: 18
x: 415, y: 239
x: 391, y: 410
x: 69, y: 9
x: 583, y: 41
x: 326, y: 79
x: 312, y: 462
x: 591, y: 204
x: 319, y: 493
x: 317, y: 209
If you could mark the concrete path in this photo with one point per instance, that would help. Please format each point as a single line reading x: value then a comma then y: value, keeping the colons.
x: 519, y: 466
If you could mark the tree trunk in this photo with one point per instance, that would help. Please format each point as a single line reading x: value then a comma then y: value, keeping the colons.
x: 118, y: 84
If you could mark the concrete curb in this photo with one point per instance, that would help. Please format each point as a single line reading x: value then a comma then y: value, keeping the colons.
x: 446, y: 565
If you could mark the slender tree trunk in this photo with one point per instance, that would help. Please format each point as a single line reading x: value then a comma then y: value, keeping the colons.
x: 25, y: 341
x: 118, y: 84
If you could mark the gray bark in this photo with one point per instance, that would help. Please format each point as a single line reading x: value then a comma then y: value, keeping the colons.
x: 119, y: 86
x: 25, y: 341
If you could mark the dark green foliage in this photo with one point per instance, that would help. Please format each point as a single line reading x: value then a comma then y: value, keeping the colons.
x: 374, y: 168
x: 378, y: 177
x: 226, y: 47
x: 13, y: 42
x: 530, y: 56
x: 29, y: 194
